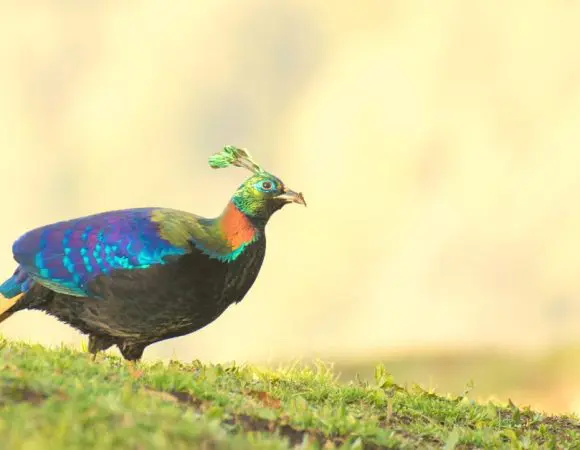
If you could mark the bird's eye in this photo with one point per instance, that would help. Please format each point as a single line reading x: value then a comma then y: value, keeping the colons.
x: 266, y: 185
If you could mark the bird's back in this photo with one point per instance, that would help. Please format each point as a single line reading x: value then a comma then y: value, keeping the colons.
x: 66, y: 256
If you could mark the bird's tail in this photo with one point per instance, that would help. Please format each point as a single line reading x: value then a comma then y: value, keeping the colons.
x: 6, y: 306
x: 11, y: 291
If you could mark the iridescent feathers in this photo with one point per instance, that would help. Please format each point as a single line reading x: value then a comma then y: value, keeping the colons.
x: 18, y: 283
x: 222, y: 238
x: 65, y: 256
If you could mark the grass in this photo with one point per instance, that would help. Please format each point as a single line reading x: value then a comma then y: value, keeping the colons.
x: 60, y: 399
x: 549, y: 380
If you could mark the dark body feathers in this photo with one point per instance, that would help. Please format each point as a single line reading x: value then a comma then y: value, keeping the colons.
x: 145, y: 306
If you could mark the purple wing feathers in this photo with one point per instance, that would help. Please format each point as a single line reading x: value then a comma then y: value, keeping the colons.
x: 65, y: 256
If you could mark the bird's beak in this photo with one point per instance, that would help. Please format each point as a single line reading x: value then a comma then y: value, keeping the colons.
x: 292, y: 197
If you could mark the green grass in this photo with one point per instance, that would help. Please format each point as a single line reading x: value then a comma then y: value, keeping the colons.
x: 549, y: 379
x: 60, y: 399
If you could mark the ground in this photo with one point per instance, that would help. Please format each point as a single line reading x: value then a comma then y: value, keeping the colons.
x: 61, y: 399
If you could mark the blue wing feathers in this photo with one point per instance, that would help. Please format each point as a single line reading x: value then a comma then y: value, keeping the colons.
x: 65, y: 256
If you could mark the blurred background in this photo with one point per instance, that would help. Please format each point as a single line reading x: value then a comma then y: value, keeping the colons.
x: 436, y: 145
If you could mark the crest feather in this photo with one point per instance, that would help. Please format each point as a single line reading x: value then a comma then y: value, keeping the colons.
x: 234, y: 156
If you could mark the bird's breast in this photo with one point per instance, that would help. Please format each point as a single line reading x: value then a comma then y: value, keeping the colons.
x: 173, y: 299
x: 200, y: 279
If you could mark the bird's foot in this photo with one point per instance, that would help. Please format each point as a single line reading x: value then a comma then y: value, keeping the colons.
x: 133, y: 369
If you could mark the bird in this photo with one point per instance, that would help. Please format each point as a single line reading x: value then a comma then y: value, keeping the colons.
x: 130, y: 278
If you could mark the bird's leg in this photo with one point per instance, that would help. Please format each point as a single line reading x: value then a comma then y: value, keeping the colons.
x: 132, y: 352
x: 99, y: 343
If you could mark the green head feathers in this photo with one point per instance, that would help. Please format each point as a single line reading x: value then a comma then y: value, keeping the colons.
x: 260, y: 195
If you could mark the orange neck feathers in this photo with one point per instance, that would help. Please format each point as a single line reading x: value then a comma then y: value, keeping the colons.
x: 236, y: 227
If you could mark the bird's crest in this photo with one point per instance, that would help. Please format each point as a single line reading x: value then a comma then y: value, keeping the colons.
x: 234, y: 156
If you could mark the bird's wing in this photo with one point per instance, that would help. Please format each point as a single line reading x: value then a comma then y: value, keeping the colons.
x: 66, y: 256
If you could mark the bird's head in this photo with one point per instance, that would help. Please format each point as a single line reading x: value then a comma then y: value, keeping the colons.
x: 262, y: 194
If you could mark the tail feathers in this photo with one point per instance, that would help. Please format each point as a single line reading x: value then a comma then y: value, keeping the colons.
x: 15, y: 285
x: 12, y: 289
x: 6, y: 306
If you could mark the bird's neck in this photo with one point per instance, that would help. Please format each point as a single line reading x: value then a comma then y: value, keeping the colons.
x: 236, y: 228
